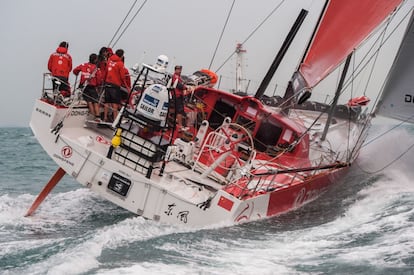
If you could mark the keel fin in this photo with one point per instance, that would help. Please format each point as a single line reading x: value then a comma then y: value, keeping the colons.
x: 46, y: 190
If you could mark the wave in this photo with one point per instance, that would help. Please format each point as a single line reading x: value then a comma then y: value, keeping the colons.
x: 363, y: 223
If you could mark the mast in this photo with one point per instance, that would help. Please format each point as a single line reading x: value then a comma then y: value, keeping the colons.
x: 337, y: 94
x: 276, y: 62
x: 239, y: 68
x: 289, y: 92
x: 314, y: 32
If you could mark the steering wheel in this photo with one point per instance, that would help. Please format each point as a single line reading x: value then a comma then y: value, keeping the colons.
x: 231, y: 143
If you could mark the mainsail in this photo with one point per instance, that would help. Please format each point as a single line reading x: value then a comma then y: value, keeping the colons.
x: 397, y: 99
x: 343, y: 27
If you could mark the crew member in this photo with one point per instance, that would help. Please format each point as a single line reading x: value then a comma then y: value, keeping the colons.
x: 116, y: 76
x: 91, y: 78
x: 60, y: 66
x: 179, y: 96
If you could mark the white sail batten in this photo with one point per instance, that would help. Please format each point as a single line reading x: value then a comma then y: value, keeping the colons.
x: 397, y: 99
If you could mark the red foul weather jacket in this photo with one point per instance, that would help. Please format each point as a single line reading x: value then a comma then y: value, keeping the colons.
x: 60, y: 63
x: 179, y: 90
x: 117, y: 74
x: 86, y: 70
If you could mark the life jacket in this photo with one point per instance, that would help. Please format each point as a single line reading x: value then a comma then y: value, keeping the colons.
x: 60, y: 63
x: 212, y: 75
x: 179, y: 90
x: 359, y: 101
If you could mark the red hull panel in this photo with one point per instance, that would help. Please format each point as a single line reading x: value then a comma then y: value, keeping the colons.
x: 284, y: 200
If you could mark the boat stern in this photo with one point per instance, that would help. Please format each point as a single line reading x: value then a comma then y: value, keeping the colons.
x: 47, y: 119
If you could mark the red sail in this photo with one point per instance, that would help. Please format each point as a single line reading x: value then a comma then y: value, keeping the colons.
x: 344, y: 26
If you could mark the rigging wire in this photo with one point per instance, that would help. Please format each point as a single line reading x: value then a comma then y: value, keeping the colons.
x: 221, y: 35
x: 362, y: 65
x: 381, y: 135
x: 376, y: 56
x: 251, y: 34
x: 129, y: 23
x: 389, y: 130
x: 388, y: 165
x: 384, y: 83
x: 123, y: 21
x: 358, y: 67
x: 349, y: 154
x: 395, y: 126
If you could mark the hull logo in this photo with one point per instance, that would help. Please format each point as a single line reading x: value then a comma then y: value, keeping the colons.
x: 102, y: 140
x: 66, y: 152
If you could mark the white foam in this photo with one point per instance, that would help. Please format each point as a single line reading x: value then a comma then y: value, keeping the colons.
x: 83, y: 257
x: 387, y: 148
x: 375, y: 230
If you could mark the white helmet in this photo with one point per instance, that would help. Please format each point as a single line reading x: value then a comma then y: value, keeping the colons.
x: 162, y: 63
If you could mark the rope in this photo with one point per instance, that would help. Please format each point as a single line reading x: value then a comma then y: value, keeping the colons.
x: 130, y: 21
x: 388, y: 165
x: 221, y: 35
x: 123, y: 21
x: 375, y: 54
x: 376, y: 58
x: 59, y: 125
x: 381, y: 135
x: 361, y: 66
x: 388, y: 131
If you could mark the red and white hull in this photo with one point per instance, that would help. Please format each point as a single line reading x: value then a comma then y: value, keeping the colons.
x: 181, y: 195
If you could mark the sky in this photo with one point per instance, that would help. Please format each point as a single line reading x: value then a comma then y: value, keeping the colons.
x: 187, y: 31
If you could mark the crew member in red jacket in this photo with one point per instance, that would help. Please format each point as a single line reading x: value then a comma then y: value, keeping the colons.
x: 179, y: 97
x: 60, y: 66
x: 116, y: 76
x: 90, y: 79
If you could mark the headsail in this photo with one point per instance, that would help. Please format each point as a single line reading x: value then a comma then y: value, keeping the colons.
x: 397, y: 99
x: 343, y: 27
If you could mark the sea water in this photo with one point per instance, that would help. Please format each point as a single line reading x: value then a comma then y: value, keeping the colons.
x: 362, y: 225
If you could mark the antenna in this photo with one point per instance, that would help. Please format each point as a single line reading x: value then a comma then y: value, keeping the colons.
x: 239, y: 68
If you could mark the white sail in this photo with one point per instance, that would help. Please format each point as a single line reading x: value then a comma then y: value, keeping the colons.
x: 397, y: 100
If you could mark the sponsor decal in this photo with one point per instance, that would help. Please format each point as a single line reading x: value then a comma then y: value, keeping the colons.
x: 181, y: 215
x: 307, y: 195
x: 163, y: 114
x: 146, y: 108
x: 225, y: 203
x: 119, y: 184
x: 300, y: 198
x: 156, y: 88
x: 246, y: 213
x: 43, y: 112
x: 408, y: 98
x: 169, y: 210
x: 79, y: 112
x: 151, y: 100
x: 66, y: 152
x: 102, y: 140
